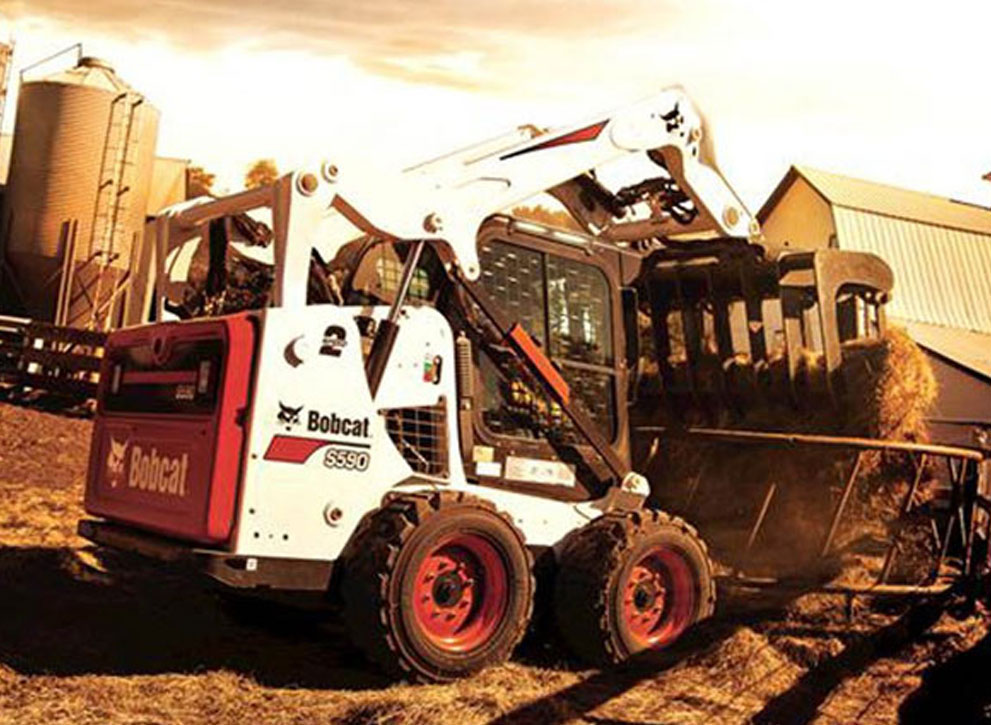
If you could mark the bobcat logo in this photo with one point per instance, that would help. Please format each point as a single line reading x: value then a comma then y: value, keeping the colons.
x: 115, y: 461
x: 673, y: 119
x: 289, y: 416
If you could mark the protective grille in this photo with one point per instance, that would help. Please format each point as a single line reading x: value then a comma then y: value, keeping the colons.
x: 565, y: 306
x: 514, y: 278
x: 380, y: 270
x: 578, y: 314
x: 595, y: 390
x: 420, y: 434
x: 517, y: 405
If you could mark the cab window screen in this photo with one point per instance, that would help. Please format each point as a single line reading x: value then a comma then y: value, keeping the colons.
x: 376, y: 279
x: 514, y: 278
x: 578, y: 311
x: 565, y: 306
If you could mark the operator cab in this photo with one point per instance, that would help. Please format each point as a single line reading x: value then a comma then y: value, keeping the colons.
x: 565, y: 290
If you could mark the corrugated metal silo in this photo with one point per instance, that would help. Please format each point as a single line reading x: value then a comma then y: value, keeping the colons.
x: 6, y: 66
x: 74, y: 211
x: 6, y: 56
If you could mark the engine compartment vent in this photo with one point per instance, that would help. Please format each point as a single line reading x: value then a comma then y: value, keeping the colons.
x: 420, y: 434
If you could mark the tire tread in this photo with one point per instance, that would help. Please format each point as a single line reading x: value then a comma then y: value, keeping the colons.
x: 589, y: 559
x: 370, y: 566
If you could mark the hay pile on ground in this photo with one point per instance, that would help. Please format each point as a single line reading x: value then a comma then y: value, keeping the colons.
x: 887, y: 390
x: 42, y: 463
x: 140, y: 644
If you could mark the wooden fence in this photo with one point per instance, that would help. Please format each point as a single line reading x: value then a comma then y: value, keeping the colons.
x: 50, y: 358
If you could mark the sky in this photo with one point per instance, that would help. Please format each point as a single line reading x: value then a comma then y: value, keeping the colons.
x: 895, y: 92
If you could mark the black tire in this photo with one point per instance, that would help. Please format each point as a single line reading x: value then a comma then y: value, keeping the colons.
x: 658, y: 561
x: 399, y: 593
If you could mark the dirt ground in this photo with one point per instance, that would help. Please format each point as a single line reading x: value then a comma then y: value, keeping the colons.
x: 81, y: 645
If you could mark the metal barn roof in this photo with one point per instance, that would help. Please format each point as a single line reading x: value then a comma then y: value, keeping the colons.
x: 970, y: 349
x: 942, y: 276
x: 886, y: 200
x: 938, y: 249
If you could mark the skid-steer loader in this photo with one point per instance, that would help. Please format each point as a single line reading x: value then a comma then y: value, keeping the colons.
x: 436, y: 395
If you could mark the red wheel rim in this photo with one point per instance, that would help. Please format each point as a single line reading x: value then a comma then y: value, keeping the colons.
x: 658, y: 598
x: 461, y: 593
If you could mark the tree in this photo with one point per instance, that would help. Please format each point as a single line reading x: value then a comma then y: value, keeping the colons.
x: 262, y: 173
x: 199, y: 182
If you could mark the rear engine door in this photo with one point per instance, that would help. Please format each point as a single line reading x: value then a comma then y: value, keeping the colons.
x: 169, y: 431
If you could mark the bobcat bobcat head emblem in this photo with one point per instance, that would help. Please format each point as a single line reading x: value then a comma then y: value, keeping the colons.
x: 289, y: 416
x: 673, y: 119
x: 115, y: 460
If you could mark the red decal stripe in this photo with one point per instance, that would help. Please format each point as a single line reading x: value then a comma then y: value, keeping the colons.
x: 291, y: 449
x: 589, y: 133
x: 526, y: 345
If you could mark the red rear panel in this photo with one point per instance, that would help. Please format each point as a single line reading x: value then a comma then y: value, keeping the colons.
x: 168, y: 436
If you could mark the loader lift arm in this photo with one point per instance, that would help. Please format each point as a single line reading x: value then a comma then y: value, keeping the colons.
x: 446, y: 200
x: 450, y: 197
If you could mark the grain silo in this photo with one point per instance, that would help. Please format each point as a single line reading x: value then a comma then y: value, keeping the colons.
x: 6, y: 66
x: 6, y: 56
x: 74, y: 210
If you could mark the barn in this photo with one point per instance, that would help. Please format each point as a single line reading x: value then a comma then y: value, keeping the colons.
x: 940, y: 252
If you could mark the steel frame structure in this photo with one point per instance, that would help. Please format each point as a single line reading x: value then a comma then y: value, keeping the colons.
x: 969, y: 497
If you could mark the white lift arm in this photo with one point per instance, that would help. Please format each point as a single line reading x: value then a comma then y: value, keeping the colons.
x: 448, y: 198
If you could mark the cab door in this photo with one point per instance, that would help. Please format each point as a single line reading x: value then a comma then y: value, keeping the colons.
x: 567, y: 297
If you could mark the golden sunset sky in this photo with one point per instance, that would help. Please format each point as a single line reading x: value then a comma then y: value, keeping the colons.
x: 896, y: 92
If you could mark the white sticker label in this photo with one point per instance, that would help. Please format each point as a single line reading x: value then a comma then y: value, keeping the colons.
x: 537, y: 470
x: 185, y: 392
x: 488, y: 468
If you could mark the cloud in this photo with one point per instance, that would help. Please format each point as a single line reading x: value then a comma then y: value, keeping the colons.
x: 885, y: 90
x: 425, y: 40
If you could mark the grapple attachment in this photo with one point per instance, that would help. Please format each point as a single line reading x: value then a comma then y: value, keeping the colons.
x: 728, y: 323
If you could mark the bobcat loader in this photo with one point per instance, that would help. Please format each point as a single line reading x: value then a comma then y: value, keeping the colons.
x: 434, y: 397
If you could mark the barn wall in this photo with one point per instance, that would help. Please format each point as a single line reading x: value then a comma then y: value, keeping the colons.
x: 942, y: 275
x: 962, y: 395
x: 801, y: 218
